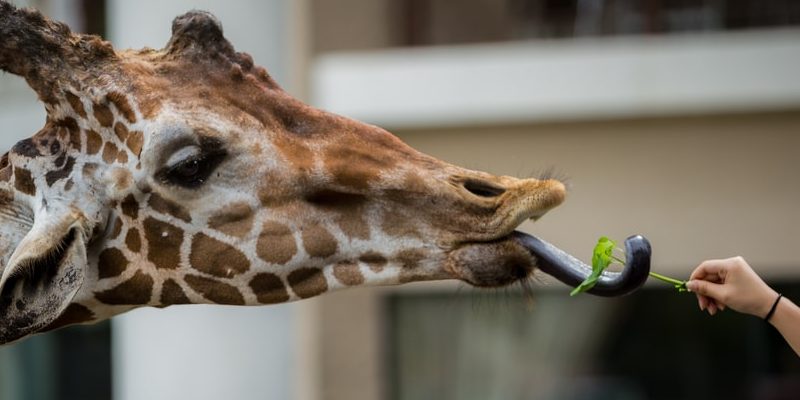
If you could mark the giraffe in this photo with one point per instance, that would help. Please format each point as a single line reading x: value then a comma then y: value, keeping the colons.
x: 187, y: 175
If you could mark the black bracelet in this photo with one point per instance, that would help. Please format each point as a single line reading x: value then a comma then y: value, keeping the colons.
x: 774, y: 306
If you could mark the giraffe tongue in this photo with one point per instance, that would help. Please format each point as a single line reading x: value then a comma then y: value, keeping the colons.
x: 571, y: 271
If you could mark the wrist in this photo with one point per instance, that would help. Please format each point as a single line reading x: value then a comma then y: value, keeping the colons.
x: 765, y: 304
x: 773, y: 308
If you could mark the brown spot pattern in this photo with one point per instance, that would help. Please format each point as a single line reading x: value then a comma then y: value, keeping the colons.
x: 375, y: 261
x: 121, y: 131
x: 235, y: 220
x: 56, y: 175
x: 23, y: 181
x: 103, y: 115
x: 89, y: 170
x: 410, y: 263
x: 348, y: 273
x: 308, y: 282
x: 111, y: 263
x: 109, y: 152
x: 300, y: 156
x: 356, y: 165
x: 350, y: 210
x: 214, y: 290
x: 163, y: 250
x: 5, y: 169
x: 76, y: 104
x: 216, y: 258
x: 397, y: 224
x: 135, y: 142
x: 121, y: 103
x: 93, y: 142
x: 133, y: 240
x: 130, y: 207
x: 276, y: 243
x: 117, y: 228
x: 122, y: 157
x: 354, y: 226
x: 172, y: 293
x: 165, y: 206
x: 269, y: 288
x: 136, y: 290
x: 318, y: 242
x: 73, y: 132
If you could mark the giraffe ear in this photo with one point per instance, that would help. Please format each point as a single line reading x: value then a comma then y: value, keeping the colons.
x: 41, y: 276
x: 198, y: 34
x: 44, y: 52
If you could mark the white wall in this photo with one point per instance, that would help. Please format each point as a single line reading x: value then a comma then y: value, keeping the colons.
x: 208, y: 352
x: 564, y: 80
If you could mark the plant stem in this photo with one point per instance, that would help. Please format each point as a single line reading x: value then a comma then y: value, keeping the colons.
x: 667, y: 279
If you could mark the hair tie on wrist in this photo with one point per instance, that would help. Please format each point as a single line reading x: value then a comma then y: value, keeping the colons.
x: 774, y: 306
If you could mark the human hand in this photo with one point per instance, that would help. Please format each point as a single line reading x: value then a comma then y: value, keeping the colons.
x: 730, y: 283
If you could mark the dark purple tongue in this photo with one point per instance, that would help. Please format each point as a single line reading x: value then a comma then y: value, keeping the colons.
x: 571, y: 271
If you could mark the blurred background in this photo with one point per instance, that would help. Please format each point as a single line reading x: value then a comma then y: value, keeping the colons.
x: 675, y: 119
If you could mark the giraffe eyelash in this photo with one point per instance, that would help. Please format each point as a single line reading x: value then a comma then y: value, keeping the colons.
x: 193, y: 171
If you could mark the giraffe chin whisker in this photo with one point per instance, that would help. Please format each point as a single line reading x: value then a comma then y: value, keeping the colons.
x: 497, y: 263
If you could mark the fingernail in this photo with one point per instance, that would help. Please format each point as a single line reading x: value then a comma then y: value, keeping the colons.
x: 691, y: 285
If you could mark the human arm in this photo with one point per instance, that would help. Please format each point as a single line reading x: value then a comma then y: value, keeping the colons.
x: 733, y: 283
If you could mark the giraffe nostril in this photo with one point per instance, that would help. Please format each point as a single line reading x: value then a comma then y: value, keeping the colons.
x: 483, y: 189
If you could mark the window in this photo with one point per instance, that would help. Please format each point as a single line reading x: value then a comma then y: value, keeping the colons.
x: 71, y: 363
x: 653, y: 344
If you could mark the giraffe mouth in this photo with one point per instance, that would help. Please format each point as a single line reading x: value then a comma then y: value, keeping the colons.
x: 36, y: 273
x: 39, y: 288
x: 514, y: 257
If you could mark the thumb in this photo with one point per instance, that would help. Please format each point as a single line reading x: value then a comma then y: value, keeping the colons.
x: 705, y: 288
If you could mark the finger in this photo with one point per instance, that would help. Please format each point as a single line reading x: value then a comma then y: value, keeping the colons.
x: 709, y: 267
x: 702, y: 301
x: 712, y: 308
x: 716, y: 278
x: 706, y: 288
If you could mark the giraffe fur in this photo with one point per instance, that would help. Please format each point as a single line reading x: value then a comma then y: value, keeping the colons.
x: 187, y: 175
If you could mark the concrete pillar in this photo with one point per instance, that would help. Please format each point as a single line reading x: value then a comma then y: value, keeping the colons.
x: 211, y: 352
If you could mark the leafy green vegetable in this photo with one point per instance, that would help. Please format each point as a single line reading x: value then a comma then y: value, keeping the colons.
x: 603, y: 256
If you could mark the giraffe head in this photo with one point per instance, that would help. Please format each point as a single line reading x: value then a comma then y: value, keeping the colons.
x: 186, y: 175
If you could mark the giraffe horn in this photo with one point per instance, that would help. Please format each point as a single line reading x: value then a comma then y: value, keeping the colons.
x: 571, y: 271
x: 198, y: 34
x: 44, y: 52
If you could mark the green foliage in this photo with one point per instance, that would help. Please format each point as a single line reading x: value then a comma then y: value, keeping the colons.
x: 603, y: 257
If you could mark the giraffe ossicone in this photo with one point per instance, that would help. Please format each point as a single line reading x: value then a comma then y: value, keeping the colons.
x: 187, y: 175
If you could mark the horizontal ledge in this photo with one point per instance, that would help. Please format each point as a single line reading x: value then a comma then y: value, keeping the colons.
x: 563, y: 79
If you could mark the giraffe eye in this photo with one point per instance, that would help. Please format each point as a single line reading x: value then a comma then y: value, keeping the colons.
x: 194, y: 170
x: 187, y: 170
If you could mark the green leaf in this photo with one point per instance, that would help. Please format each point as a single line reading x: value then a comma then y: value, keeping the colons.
x: 602, y: 257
